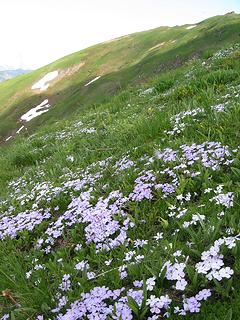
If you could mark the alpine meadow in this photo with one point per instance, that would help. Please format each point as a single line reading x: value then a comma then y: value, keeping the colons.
x: 120, y: 180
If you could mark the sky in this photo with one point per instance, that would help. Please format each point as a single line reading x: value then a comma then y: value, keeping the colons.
x: 37, y: 32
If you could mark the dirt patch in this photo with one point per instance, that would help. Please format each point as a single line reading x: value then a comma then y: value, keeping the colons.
x: 70, y: 71
x: 159, y: 45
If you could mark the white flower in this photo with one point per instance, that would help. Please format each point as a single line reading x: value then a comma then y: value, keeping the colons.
x: 108, y: 262
x: 158, y: 236
x: 78, y: 247
x: 181, y: 284
x: 150, y: 283
x: 82, y: 265
x: 91, y: 275
x: 226, y: 272
x: 70, y: 158
x: 28, y: 274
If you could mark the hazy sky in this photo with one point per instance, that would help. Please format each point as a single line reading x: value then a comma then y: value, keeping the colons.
x: 37, y: 32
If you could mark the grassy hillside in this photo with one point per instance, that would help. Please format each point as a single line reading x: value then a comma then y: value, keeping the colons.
x: 129, y: 60
x: 127, y: 209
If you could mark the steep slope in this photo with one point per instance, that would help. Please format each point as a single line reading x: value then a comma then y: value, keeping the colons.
x: 129, y: 60
x: 129, y: 210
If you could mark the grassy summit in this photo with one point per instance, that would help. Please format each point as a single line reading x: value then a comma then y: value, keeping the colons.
x: 128, y: 207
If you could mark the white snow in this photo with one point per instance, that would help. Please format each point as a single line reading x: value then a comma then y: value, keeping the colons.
x: 10, y: 137
x: 191, y: 27
x: 43, y: 84
x: 93, y: 80
x: 19, y: 130
x: 36, y: 111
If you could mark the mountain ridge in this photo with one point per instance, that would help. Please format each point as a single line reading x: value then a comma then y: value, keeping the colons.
x: 7, y: 74
x: 123, y: 61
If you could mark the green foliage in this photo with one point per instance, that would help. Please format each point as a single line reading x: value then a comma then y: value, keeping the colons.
x: 164, y: 85
x: 137, y: 124
x: 184, y: 92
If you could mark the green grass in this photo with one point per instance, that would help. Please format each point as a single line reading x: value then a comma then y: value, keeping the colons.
x: 135, y: 124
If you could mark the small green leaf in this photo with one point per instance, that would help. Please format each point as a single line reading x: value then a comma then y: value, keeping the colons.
x: 229, y: 315
x: 12, y: 316
x: 133, y: 305
x: 143, y: 313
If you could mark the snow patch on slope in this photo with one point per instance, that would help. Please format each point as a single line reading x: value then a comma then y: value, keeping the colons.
x: 43, y: 84
x: 10, y: 137
x: 19, y: 130
x: 93, y: 80
x: 36, y: 111
x: 191, y: 27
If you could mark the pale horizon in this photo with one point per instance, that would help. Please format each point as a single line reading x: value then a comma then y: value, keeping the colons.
x: 37, y: 33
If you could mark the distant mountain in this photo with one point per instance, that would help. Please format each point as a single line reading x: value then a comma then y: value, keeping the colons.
x: 4, y: 67
x: 9, y: 74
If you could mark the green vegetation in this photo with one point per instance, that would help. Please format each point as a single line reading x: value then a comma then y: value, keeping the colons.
x: 129, y: 186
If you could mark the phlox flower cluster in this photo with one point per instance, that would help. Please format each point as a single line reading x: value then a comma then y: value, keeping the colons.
x: 178, y: 120
x: 212, y: 264
x: 175, y: 272
x: 69, y: 132
x: 157, y: 305
x: 123, y: 164
x: 219, y: 107
x: 225, y: 52
x: 193, y: 304
x: 106, y: 225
